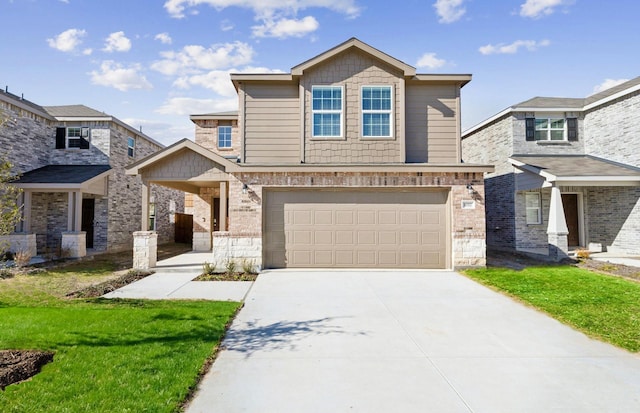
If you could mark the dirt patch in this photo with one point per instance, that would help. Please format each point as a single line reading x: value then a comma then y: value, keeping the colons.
x: 98, y: 290
x: 19, y: 365
x: 226, y: 277
x: 632, y: 273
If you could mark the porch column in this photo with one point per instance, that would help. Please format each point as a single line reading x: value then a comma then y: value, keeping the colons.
x: 144, y: 224
x: 557, y: 230
x: 223, y: 206
x: 74, y: 241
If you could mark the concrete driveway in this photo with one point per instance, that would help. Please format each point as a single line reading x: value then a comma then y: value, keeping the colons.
x: 407, y: 341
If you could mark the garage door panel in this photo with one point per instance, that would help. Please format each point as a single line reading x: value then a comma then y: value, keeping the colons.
x: 366, y: 229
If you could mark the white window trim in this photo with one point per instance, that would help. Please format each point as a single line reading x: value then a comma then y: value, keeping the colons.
x: 133, y: 148
x: 549, y: 117
x: 538, y: 208
x: 390, y: 112
x: 84, y: 133
x: 341, y: 112
x: 230, y: 137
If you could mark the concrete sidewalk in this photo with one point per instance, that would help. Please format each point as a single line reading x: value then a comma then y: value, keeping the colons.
x: 173, y: 279
x: 407, y: 341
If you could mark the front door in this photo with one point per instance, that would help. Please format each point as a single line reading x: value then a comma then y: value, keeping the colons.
x: 216, y: 214
x: 570, y: 204
x: 88, y: 212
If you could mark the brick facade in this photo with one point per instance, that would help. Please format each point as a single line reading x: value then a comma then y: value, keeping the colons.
x: 29, y: 136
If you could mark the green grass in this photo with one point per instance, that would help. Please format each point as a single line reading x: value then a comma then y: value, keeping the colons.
x: 601, y: 306
x: 110, y: 355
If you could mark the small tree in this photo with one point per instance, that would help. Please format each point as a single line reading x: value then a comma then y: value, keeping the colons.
x: 9, y: 208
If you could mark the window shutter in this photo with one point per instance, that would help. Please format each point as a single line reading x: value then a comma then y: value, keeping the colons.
x: 572, y: 129
x: 84, y: 143
x: 530, y: 125
x: 61, y: 138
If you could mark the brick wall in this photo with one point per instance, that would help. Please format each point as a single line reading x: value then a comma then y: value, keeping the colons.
x: 206, y: 135
x: 352, y: 70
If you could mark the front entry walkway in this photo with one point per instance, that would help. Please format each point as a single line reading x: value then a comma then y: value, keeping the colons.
x: 406, y: 341
x: 173, y: 279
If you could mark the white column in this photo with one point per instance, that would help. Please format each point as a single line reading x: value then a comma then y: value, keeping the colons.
x: 223, y: 206
x: 77, y: 224
x: 70, y: 208
x: 26, y: 211
x: 144, y: 225
x: 557, y: 230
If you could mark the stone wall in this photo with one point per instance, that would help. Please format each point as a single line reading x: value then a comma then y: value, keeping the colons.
x: 353, y: 70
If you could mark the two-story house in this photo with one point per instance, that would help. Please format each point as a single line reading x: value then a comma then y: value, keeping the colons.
x: 350, y: 160
x: 75, y: 194
x: 567, y: 173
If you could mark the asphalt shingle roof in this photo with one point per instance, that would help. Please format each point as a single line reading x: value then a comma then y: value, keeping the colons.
x: 62, y: 174
x: 578, y: 165
x: 73, y: 111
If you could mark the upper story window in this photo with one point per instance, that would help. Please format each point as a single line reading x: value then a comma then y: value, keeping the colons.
x: 327, y: 115
x: 377, y: 111
x: 131, y: 147
x: 224, y: 136
x: 72, y: 137
x: 551, y: 129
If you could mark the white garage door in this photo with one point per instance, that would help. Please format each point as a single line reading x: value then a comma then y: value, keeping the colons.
x: 358, y: 229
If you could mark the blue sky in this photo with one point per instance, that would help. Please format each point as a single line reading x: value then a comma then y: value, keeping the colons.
x: 152, y: 63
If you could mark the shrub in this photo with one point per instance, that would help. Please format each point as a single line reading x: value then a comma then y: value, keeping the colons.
x: 231, y: 266
x: 583, y: 254
x: 22, y: 258
x: 209, y: 268
x: 248, y: 267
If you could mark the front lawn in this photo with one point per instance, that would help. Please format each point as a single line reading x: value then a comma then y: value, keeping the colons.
x: 601, y: 306
x: 110, y: 355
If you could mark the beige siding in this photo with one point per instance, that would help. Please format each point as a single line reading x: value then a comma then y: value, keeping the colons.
x: 432, y: 119
x: 271, y: 123
x: 354, y: 69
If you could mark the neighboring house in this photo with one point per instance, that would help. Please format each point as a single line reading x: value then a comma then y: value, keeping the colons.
x: 350, y: 160
x: 567, y: 173
x: 71, y: 162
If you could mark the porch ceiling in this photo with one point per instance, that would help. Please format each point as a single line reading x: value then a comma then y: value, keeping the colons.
x: 577, y: 170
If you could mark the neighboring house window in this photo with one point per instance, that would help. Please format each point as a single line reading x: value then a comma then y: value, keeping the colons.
x: 72, y: 137
x: 327, y: 111
x: 551, y: 129
x: 131, y: 147
x: 224, y: 136
x: 376, y: 111
x: 152, y: 216
x: 533, y: 206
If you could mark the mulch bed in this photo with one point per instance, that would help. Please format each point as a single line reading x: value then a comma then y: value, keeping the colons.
x: 226, y: 277
x: 19, y: 365
x: 98, y: 290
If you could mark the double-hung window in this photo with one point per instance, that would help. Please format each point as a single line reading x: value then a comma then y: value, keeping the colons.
x: 533, y: 207
x: 377, y: 111
x: 550, y: 129
x: 131, y: 147
x: 224, y: 136
x: 327, y: 111
x: 72, y: 137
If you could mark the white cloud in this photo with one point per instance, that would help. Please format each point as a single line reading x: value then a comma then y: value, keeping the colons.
x: 539, y: 8
x: 512, y: 48
x: 226, y: 25
x: 118, y: 76
x: 195, y: 58
x: 449, y: 11
x: 265, y: 8
x: 87, y: 52
x: 218, y: 81
x: 608, y: 83
x: 284, y: 28
x: 189, y: 106
x: 117, y: 42
x: 68, y: 40
x: 164, y: 38
x: 430, y: 61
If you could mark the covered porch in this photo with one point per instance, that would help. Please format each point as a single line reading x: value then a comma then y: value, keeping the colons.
x: 568, y: 202
x: 190, y: 168
x: 58, y: 209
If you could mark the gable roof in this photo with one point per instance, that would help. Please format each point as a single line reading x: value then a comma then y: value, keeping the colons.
x: 559, y: 104
x: 406, y: 69
x: 62, y: 174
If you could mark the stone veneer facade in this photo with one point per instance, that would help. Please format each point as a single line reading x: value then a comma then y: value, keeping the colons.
x: 29, y: 137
